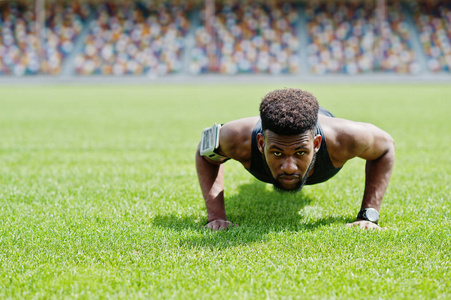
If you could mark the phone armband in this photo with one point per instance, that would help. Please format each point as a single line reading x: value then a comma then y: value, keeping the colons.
x: 210, y: 142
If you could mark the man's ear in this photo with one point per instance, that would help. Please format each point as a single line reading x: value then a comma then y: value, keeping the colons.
x: 317, y: 142
x: 261, y: 142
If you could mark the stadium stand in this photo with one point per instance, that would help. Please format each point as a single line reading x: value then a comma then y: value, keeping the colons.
x: 248, y: 37
x: 149, y: 37
x: 18, y: 38
x: 433, y: 20
x: 345, y: 37
x: 134, y: 38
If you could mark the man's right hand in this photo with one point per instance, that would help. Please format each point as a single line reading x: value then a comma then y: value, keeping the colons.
x: 220, y: 224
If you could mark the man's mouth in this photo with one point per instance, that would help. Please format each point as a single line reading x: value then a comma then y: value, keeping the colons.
x: 289, y: 178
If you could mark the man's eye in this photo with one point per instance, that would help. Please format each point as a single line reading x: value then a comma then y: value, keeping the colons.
x: 277, y: 153
x: 300, y: 153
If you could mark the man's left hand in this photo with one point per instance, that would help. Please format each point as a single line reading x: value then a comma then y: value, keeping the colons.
x: 365, y: 225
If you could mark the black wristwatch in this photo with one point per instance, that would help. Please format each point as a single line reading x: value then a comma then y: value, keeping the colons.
x: 369, y: 214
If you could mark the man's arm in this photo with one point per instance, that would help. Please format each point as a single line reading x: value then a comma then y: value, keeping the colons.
x: 377, y: 176
x: 211, y: 180
x: 234, y: 143
x: 378, y: 149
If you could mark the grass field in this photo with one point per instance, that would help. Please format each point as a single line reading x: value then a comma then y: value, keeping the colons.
x: 99, y: 199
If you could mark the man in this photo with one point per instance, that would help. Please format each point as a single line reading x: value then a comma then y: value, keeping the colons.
x: 294, y: 142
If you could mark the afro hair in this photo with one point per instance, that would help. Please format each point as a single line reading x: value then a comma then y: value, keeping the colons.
x: 289, y: 111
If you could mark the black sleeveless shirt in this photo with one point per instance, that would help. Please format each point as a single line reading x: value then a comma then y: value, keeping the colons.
x: 324, y: 168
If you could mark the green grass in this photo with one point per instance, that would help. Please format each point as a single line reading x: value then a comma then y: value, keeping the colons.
x: 99, y: 199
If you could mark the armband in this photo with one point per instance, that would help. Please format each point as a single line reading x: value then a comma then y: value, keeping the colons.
x: 210, y: 142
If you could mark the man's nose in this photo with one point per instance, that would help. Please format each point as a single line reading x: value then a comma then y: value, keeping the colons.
x: 289, y: 166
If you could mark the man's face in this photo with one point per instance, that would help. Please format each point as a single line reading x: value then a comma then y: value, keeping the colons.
x: 289, y: 158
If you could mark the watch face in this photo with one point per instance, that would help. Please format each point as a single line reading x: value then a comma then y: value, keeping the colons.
x: 372, y: 215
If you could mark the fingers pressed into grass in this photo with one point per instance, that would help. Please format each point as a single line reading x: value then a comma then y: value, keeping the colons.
x: 220, y: 225
x: 365, y: 225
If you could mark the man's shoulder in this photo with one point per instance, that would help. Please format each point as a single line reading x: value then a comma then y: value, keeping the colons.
x: 236, y: 137
x: 347, y: 139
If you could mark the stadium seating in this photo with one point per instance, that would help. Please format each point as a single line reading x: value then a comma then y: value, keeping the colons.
x: 433, y: 20
x: 134, y: 38
x: 346, y: 38
x: 248, y: 37
x: 149, y: 37
x: 18, y: 40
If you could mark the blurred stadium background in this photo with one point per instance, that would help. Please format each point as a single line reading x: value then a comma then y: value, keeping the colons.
x: 150, y: 38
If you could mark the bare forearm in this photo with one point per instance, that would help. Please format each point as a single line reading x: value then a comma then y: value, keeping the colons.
x: 378, y: 173
x: 211, y: 180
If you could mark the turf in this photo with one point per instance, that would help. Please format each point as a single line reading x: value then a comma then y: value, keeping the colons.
x: 99, y: 199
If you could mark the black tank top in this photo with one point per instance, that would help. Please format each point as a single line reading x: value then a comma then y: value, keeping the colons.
x: 324, y: 168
